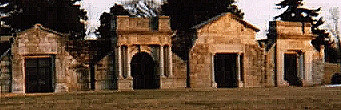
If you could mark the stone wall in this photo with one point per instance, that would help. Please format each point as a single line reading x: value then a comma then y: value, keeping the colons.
x: 329, y: 70
x: 295, y: 38
x: 5, y: 74
x: 104, y: 74
x: 226, y: 35
x: 318, y: 67
x: 254, y: 71
x: 135, y: 36
x: 39, y: 42
x: 270, y: 68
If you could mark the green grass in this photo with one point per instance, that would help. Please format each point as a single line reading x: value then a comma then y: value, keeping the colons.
x: 237, y: 98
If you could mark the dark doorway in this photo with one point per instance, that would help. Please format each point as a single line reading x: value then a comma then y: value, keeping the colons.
x: 143, y: 72
x: 290, y: 70
x: 225, y: 70
x: 39, y: 75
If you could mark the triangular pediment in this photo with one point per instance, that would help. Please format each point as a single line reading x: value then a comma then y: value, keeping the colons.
x: 225, y: 22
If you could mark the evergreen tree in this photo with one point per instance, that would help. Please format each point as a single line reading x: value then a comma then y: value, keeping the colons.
x: 295, y: 13
x: 108, y: 20
x: 59, y: 15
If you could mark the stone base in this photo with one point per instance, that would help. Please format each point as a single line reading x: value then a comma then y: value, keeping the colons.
x: 214, y: 85
x: 104, y: 85
x: 283, y: 84
x: 306, y: 83
x: 125, y: 84
x: 61, y: 87
x: 241, y: 84
x: 166, y: 83
x: 18, y: 88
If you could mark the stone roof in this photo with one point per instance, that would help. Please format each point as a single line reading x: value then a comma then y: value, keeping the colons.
x: 39, y: 26
x: 246, y: 24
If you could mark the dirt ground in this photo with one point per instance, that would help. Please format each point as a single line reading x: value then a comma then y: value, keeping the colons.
x: 234, y: 98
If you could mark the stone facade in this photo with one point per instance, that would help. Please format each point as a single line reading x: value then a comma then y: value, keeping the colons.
x: 292, y: 42
x: 226, y: 34
x: 40, y: 43
x: 140, y: 56
x: 136, y: 35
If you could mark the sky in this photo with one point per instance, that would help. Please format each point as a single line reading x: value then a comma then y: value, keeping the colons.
x: 257, y: 12
x: 260, y: 12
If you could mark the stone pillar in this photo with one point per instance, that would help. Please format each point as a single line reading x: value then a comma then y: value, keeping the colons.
x: 170, y: 61
x: 162, y: 69
x: 124, y: 83
x: 301, y: 66
x: 119, y: 62
x: 240, y: 83
x: 308, y: 64
x: 281, y: 82
x: 214, y: 84
x: 127, y: 64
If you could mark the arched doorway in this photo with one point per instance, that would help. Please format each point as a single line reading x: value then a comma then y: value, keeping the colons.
x: 143, y: 71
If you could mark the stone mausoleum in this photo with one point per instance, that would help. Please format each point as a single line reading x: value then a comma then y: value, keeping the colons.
x: 295, y: 60
x: 139, y: 55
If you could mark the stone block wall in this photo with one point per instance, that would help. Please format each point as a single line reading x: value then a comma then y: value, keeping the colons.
x: 38, y: 42
x: 270, y: 69
x: 135, y: 24
x: 179, y: 72
x: 318, y: 67
x: 295, y: 38
x: 5, y: 74
x: 227, y: 35
x: 104, y: 74
x: 254, y: 66
x: 329, y: 70
x: 201, y: 67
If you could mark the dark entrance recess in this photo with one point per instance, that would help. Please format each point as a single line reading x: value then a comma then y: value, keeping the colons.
x: 143, y: 72
x: 225, y: 70
x: 39, y: 75
x: 290, y: 70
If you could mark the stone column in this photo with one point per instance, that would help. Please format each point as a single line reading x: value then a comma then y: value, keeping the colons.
x: 162, y: 69
x: 127, y: 64
x: 170, y: 61
x: 240, y: 83
x: 281, y: 82
x: 119, y: 62
x: 125, y: 81
x: 301, y: 66
x: 308, y: 68
x: 214, y: 84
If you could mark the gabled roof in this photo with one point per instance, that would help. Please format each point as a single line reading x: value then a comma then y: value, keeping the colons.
x: 40, y: 27
x: 246, y: 24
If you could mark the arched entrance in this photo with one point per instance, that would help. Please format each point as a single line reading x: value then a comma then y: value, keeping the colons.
x: 143, y: 71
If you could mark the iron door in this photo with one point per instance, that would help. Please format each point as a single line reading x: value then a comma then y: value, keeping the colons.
x: 38, y: 75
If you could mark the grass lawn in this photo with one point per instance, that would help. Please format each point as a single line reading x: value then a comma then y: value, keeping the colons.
x: 234, y: 98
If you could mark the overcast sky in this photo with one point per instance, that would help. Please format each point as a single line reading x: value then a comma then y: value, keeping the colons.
x: 257, y: 12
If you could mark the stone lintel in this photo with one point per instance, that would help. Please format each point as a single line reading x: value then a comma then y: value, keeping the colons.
x: 127, y: 32
x: 286, y: 36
